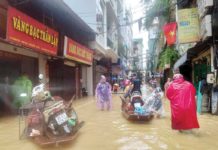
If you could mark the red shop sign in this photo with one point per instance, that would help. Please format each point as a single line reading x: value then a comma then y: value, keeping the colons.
x: 27, y: 31
x: 77, y: 52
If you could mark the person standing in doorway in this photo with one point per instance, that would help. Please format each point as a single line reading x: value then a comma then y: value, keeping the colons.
x: 103, y: 94
x: 22, y: 90
x: 181, y: 95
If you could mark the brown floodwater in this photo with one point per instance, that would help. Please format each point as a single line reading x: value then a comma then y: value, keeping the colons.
x: 109, y: 130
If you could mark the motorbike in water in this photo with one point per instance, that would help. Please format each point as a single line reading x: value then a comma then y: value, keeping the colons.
x: 48, y: 119
x: 135, y: 108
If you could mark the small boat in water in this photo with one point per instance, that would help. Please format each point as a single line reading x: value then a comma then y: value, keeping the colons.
x: 133, y: 108
x: 48, y: 120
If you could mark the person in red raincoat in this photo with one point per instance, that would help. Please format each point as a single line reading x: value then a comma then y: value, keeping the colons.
x: 181, y: 95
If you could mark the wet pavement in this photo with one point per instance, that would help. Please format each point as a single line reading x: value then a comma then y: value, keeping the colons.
x: 109, y: 130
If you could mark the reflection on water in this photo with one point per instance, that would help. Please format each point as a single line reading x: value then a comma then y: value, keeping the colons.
x: 111, y: 131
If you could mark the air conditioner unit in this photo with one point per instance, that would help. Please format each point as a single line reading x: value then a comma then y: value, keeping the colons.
x: 206, y: 27
x: 203, y: 6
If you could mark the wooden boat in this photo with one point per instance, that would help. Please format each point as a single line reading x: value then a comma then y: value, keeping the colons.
x: 51, y: 140
x: 46, y: 137
x: 133, y: 116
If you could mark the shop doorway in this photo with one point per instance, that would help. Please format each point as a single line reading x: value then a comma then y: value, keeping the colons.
x: 12, y: 66
x: 69, y: 82
x: 62, y: 79
x: 9, y: 71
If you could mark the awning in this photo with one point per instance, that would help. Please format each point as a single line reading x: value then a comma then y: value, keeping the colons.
x: 97, y: 47
x: 112, y: 54
x: 180, y: 61
x: 99, y: 50
x: 192, y: 53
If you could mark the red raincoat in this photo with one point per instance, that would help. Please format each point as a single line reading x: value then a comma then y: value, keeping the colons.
x: 181, y: 94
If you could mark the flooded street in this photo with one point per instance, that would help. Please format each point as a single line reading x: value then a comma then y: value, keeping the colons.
x: 109, y: 130
x: 52, y: 52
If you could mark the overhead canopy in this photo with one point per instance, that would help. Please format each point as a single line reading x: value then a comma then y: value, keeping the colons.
x: 191, y: 53
x: 112, y: 54
x: 180, y: 61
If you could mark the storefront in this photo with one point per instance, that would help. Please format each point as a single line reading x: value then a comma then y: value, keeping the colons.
x: 99, y: 69
x: 31, y: 38
x: 195, y: 64
x: 184, y: 63
x: 201, y: 67
x: 25, y: 49
x: 69, y: 75
x: 102, y: 67
x: 62, y: 78
x: 12, y: 67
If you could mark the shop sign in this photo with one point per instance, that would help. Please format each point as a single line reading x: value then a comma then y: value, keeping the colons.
x: 77, y: 52
x: 27, y: 31
x: 188, y: 25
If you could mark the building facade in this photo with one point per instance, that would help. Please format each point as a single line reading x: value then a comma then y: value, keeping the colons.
x: 36, y: 38
x: 107, y: 19
x: 198, y: 57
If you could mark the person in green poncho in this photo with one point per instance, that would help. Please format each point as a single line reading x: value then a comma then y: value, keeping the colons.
x: 22, y: 90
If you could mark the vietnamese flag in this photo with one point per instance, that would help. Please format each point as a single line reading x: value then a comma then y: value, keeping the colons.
x: 170, y: 32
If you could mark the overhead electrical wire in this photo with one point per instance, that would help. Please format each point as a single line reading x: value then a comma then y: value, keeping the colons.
x: 122, y: 25
x: 137, y: 20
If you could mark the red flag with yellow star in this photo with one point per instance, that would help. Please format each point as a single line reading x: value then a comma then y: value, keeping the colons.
x: 170, y: 32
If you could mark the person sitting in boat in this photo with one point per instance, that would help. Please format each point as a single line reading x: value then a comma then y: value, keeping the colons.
x: 128, y: 89
x: 126, y: 96
x: 136, y: 98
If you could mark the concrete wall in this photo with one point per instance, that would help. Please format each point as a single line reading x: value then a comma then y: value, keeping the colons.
x: 90, y: 80
x: 87, y: 78
x: 84, y: 77
x: 42, y: 66
x: 87, y: 11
